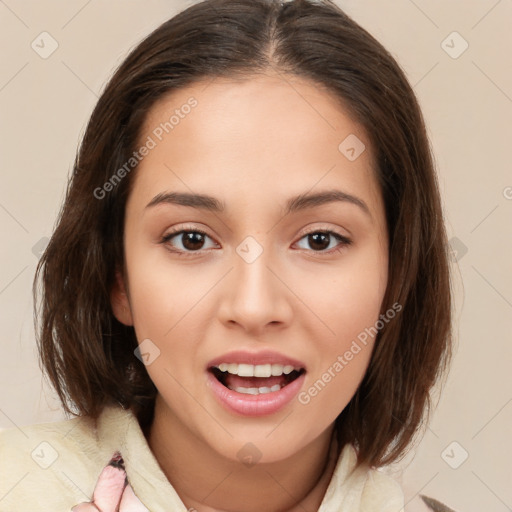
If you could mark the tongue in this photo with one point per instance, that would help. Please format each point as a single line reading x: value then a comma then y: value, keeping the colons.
x: 235, y: 381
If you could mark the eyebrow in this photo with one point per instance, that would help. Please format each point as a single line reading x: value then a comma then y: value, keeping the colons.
x: 294, y: 204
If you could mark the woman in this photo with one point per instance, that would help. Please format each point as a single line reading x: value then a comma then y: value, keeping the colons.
x: 246, y: 300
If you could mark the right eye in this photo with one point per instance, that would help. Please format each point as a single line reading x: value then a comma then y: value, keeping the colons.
x: 187, y: 240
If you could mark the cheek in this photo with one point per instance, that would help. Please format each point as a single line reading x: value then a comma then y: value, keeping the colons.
x: 342, y: 359
x: 344, y: 350
x: 167, y: 310
x: 163, y: 295
x: 327, y: 393
x: 170, y: 307
x: 347, y: 298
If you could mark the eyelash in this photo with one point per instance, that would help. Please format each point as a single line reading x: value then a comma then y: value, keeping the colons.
x: 343, y: 240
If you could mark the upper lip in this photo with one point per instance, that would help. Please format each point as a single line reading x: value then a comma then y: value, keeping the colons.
x: 256, y: 358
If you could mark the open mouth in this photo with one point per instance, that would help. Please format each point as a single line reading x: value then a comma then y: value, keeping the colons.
x: 255, y: 379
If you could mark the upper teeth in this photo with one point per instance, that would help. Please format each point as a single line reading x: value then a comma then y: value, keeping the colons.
x: 258, y: 370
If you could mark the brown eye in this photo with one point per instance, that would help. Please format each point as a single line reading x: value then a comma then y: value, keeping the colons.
x: 325, y: 241
x: 192, y: 240
x: 184, y: 241
x: 319, y: 241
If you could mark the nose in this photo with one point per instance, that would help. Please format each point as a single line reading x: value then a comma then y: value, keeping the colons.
x: 254, y: 295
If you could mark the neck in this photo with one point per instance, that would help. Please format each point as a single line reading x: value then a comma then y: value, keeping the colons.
x: 208, y: 482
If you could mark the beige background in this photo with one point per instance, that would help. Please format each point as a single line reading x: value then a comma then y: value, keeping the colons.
x: 467, y: 102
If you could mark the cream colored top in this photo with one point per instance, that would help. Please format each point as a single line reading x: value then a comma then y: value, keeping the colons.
x: 55, y: 466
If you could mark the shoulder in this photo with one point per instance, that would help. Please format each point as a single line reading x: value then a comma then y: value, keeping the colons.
x: 360, y: 487
x: 381, y: 492
x: 48, y: 466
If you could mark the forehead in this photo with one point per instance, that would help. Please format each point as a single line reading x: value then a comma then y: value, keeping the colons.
x: 255, y: 108
x: 263, y: 134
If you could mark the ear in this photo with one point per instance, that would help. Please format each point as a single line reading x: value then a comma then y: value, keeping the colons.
x: 119, y: 300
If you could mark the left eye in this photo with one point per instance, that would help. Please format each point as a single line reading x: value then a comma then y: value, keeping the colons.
x: 321, y: 241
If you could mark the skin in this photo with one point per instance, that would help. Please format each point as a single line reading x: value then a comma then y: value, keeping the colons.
x: 253, y: 144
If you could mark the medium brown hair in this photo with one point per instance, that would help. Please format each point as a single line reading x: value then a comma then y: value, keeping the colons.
x: 89, y: 356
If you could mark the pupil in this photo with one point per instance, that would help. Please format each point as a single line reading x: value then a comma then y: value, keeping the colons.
x: 317, y: 238
x: 192, y: 240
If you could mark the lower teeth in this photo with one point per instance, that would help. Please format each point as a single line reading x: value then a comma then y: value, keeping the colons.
x: 256, y: 391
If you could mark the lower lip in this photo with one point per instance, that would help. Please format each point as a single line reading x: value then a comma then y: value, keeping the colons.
x: 255, y: 405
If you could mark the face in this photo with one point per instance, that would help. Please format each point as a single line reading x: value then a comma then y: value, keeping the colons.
x: 255, y: 261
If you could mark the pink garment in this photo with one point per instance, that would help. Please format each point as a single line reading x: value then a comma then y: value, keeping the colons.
x: 112, y: 493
